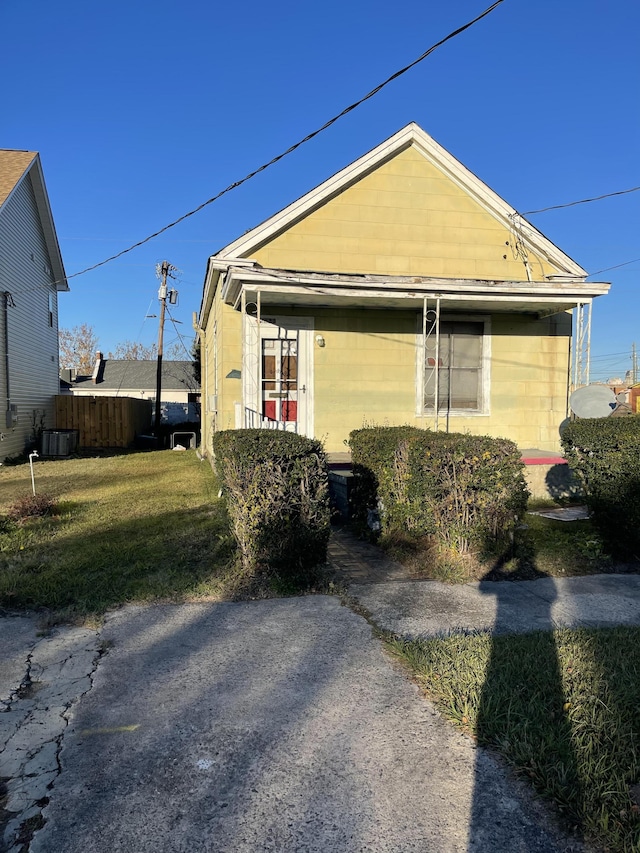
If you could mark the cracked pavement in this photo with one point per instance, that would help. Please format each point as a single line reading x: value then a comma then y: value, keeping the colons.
x: 41, y: 677
x: 275, y: 725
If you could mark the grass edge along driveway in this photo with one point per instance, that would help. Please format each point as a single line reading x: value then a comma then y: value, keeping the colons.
x: 562, y: 707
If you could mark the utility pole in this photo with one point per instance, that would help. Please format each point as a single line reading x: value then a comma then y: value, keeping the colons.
x: 634, y: 364
x: 165, y: 272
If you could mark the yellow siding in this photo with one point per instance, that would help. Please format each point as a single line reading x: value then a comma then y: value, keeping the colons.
x: 405, y: 218
x: 366, y: 374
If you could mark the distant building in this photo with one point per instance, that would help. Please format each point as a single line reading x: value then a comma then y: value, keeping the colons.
x: 112, y: 377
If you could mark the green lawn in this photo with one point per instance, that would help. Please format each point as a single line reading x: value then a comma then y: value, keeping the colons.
x: 562, y: 707
x: 127, y: 527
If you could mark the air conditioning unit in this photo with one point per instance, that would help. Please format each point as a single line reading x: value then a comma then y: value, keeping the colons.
x: 59, y: 442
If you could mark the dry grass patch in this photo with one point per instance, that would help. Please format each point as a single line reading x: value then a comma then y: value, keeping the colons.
x: 542, y: 547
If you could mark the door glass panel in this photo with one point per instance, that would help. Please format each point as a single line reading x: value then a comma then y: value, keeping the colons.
x: 279, y: 380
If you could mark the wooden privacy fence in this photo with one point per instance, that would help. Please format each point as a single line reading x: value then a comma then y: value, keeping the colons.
x: 103, y: 421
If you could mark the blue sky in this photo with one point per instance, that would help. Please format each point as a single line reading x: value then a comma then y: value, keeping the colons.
x: 142, y: 110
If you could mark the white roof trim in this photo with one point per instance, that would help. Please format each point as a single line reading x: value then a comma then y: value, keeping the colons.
x: 48, y: 226
x: 306, y: 289
x: 411, y: 135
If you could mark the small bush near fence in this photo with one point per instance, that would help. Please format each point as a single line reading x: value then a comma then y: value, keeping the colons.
x: 605, y: 454
x: 465, y: 491
x: 277, y: 494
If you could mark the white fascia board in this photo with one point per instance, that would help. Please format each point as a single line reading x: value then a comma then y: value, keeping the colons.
x: 48, y: 226
x: 319, y: 195
x: 256, y: 276
x: 494, y: 204
x: 412, y: 134
x: 216, y: 269
x: 208, y: 292
x: 315, y: 286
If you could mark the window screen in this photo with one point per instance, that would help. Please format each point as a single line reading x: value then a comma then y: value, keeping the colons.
x: 459, y: 367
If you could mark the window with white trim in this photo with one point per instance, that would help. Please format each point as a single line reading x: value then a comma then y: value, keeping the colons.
x: 462, y: 368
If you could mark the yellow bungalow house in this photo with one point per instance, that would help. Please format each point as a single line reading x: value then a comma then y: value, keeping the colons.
x: 402, y: 290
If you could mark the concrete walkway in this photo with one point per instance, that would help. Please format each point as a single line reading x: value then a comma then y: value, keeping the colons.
x: 277, y: 725
x: 429, y: 608
x: 417, y: 608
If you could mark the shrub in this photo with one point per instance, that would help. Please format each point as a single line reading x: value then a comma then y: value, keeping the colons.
x: 30, y: 506
x: 373, y: 453
x: 605, y: 455
x: 277, y: 493
x: 467, y: 491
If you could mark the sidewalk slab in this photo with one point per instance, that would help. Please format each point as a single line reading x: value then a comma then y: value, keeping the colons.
x: 431, y: 608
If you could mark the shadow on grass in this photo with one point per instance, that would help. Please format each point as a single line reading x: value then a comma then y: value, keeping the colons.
x: 561, y: 706
x: 184, y: 553
x: 521, y: 709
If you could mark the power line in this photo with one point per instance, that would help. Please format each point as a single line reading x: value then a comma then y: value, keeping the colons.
x: 180, y: 338
x: 617, y: 266
x: 296, y: 145
x: 581, y: 201
x: 609, y: 355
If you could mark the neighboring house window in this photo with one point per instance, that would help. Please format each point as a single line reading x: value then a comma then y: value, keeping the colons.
x: 51, y: 309
x: 462, y: 367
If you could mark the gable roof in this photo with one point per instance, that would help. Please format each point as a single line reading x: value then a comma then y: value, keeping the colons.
x: 13, y: 165
x: 410, y: 136
x: 16, y: 166
x: 119, y: 373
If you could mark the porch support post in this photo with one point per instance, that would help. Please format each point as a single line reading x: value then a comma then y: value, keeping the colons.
x: 436, y: 407
x: 581, y: 368
x: 243, y: 310
x: 423, y: 384
x: 587, y: 373
x: 431, y: 358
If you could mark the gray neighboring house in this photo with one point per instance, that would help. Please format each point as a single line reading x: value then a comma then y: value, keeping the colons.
x: 113, y: 377
x: 31, y: 276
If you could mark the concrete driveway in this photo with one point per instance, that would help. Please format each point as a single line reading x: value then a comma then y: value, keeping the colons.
x: 264, y: 726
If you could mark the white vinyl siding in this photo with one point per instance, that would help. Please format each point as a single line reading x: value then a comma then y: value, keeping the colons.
x: 30, y: 321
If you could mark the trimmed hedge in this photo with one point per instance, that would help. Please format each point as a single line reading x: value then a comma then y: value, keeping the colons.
x: 605, y: 455
x: 466, y: 491
x: 277, y: 494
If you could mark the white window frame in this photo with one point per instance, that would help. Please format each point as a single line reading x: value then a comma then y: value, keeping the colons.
x: 485, y: 390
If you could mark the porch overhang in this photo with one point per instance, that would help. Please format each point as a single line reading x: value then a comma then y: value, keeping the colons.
x: 304, y: 289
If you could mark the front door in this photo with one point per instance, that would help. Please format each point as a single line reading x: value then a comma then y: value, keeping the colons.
x: 279, y: 381
x: 278, y: 394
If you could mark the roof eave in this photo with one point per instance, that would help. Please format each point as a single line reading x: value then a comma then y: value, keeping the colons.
x: 48, y: 226
x: 302, y: 288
